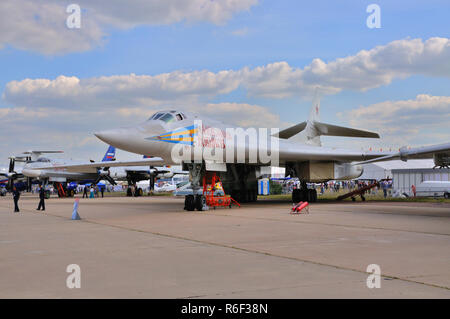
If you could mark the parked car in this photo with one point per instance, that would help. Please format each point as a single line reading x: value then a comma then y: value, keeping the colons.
x: 434, y: 188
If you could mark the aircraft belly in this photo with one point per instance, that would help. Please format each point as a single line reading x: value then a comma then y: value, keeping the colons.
x: 71, y: 175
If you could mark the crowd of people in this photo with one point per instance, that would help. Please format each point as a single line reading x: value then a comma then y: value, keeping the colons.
x: 336, y: 186
x: 93, y: 190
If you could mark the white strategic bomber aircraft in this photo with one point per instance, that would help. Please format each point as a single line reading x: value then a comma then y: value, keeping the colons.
x: 203, y: 144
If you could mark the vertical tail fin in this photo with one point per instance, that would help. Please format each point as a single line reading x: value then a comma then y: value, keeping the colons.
x: 310, y: 135
x: 314, y: 113
x: 110, y: 154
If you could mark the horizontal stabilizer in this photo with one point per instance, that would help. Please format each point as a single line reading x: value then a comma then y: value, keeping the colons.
x: 334, y: 130
x: 325, y: 129
x: 291, y: 131
x: 42, y: 152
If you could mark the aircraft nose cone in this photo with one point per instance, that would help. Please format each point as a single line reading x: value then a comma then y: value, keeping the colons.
x: 108, y: 136
x: 119, y: 138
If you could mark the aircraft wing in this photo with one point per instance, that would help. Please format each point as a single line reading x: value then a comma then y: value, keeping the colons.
x: 92, y: 167
x: 313, y: 153
x: 414, y: 153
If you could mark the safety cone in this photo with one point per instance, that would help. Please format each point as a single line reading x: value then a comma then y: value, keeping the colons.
x: 75, y: 215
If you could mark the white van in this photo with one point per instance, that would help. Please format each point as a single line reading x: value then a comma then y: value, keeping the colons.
x: 434, y: 188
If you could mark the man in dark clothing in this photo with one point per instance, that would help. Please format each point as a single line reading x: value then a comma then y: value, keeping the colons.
x: 102, y: 190
x: 16, y: 196
x: 85, y: 192
x: 42, y: 198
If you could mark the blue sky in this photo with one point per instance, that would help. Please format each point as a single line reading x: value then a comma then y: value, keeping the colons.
x: 254, y: 36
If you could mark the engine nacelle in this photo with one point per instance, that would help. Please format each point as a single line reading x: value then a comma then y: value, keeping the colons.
x: 347, y: 171
x: 441, y: 160
x: 317, y: 172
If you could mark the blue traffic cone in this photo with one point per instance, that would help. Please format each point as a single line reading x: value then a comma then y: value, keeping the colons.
x: 75, y: 215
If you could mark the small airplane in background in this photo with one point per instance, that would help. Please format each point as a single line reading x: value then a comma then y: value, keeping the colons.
x: 40, y: 169
x: 45, y: 170
x: 135, y: 174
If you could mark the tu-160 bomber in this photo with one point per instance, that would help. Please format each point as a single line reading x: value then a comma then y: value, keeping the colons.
x: 202, y: 144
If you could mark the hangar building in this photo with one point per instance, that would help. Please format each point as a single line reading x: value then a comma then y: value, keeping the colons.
x: 405, y: 174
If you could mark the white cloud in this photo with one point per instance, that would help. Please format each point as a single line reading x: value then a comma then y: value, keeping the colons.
x: 126, y: 14
x: 242, y: 114
x: 413, y: 121
x: 382, y: 64
x: 363, y: 71
x: 40, y: 25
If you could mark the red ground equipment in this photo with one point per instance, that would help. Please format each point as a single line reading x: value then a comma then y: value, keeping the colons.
x: 212, y: 187
x: 60, y: 188
x: 359, y: 191
x: 297, y: 208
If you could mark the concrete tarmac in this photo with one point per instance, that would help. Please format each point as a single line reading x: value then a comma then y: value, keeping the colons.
x: 149, y: 247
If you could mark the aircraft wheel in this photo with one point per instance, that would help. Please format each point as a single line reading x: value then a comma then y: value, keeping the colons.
x: 296, y: 196
x: 447, y: 195
x: 363, y: 198
x: 302, y: 195
x: 250, y: 196
x: 189, y: 203
x: 140, y: 192
x: 200, y: 201
x: 308, y: 197
x: 241, y: 197
x: 313, y: 195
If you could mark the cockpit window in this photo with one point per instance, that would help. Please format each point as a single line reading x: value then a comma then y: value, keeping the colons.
x: 167, y: 117
x: 43, y: 160
x: 156, y: 116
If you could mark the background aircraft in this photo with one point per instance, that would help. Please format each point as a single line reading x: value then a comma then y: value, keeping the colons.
x: 39, y: 169
x: 135, y: 174
x: 47, y: 170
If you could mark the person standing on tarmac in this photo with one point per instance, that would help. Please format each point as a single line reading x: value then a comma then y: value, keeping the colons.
x: 41, y: 198
x: 85, y: 192
x: 16, y: 196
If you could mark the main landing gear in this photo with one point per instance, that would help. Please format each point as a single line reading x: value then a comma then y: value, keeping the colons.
x: 137, y: 192
x: 192, y: 202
